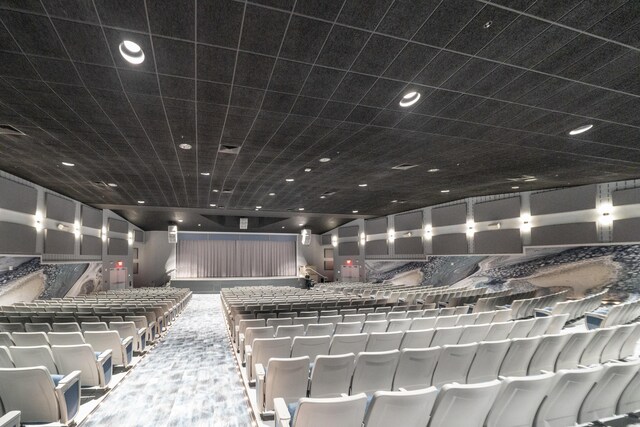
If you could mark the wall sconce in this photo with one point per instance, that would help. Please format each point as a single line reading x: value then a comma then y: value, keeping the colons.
x: 470, y: 228
x: 525, y: 223
x: 103, y: 234
x: 363, y: 239
x: 427, y: 231
x: 334, y: 241
x: 391, y: 235
x: 76, y: 229
x: 38, y: 224
x: 606, y: 218
x: 130, y: 238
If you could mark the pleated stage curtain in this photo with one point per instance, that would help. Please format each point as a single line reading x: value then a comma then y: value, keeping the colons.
x: 235, y: 258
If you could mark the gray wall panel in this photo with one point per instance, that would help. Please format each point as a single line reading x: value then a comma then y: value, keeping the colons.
x: 626, y: 230
x: 90, y: 245
x: 408, y: 221
x: 59, y: 242
x: 17, y: 239
x: 497, y: 210
x: 626, y: 197
x: 351, y: 231
x: 565, y: 200
x: 408, y: 246
x: 376, y: 226
x: 325, y: 239
x: 18, y: 197
x: 564, y: 234
x: 377, y: 247
x: 118, y: 226
x: 348, y: 248
x: 498, y: 242
x: 450, y: 244
x: 117, y: 247
x: 138, y: 236
x: 59, y: 208
x: 91, y: 217
x: 449, y: 215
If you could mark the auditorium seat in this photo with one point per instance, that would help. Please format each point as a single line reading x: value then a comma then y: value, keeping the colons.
x: 401, y: 408
x: 503, y: 315
x: 613, y: 348
x: 629, y: 346
x: 384, y: 341
x: 415, y: 368
x: 374, y: 326
x: 141, y: 322
x: 540, y: 326
x: 431, y: 312
x: 128, y: 329
x: 38, y: 327
x: 603, y: 398
x: 499, y: 331
x: 516, y: 361
x: 396, y: 315
x: 122, y: 349
x: 315, y: 330
x: 521, y: 328
x: 484, y: 317
x: 379, y: 316
x: 347, y: 411
x: 26, y: 357
x: 453, y: 364
x: 348, y: 328
x: 466, y: 319
x: 280, y: 321
x: 30, y: 339
x: 348, y: 343
x: 264, y: 349
x: 518, y: 400
x: 5, y: 339
x: 348, y: 318
x: 557, y: 323
x: 283, y: 378
x: 568, y: 391
x: 310, y: 346
x: 423, y: 323
x: 446, y: 336
x: 473, y: 333
x: 243, y: 324
x: 333, y: 319
x: 94, y: 326
x: 12, y: 327
x: 288, y: 331
x: 252, y: 333
x: 5, y: 358
x: 374, y: 371
x: 305, y: 321
x: 331, y: 375
x: 66, y: 327
x: 95, y: 369
x: 464, y: 404
x: 65, y: 338
x: 487, y: 361
x: 569, y: 357
x: 52, y: 404
x: 10, y: 419
x: 547, y: 352
x: 595, y: 346
x: 417, y: 338
x: 630, y: 398
x: 399, y: 325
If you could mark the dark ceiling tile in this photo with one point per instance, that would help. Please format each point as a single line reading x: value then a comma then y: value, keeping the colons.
x: 611, y: 71
x: 27, y: 5
x: 377, y: 54
x: 305, y: 106
x: 460, y: 106
x: 552, y: 9
x: 363, y: 14
x: 289, y: 76
x: 280, y: 4
x: 219, y: 22
x: 304, y: 39
x: 616, y: 23
x: 496, y: 80
x: 79, y: 10
x: 278, y: 102
x: 15, y: 65
x: 336, y: 110
x: 342, y: 47
x: 215, y: 63
x: 319, y: 8
x: 406, y: 17
x: 589, y: 12
x: 522, y: 31
x: 469, y: 74
x: 54, y: 70
x: 435, y: 102
x: 568, y: 54
x: 34, y: 34
x: 176, y: 87
x: 483, y: 28
x: 85, y: 43
x: 363, y: 114
x: 322, y: 82
x: 383, y: 92
x: 520, y: 86
x: 95, y: 76
x: 447, y: 20
x: 410, y: 62
x: 253, y: 70
x: 174, y: 57
x: 593, y: 61
x: 441, y: 68
x: 388, y: 118
x: 542, y: 46
x: 138, y: 82
x: 213, y: 93
x: 263, y: 30
x: 353, y: 88
x: 246, y: 97
x: 129, y: 14
x: 171, y: 18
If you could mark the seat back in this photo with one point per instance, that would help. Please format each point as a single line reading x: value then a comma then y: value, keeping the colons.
x: 540, y: 325
x: 415, y: 368
x: 310, y: 346
x: 464, y: 404
x: 446, y: 321
x: 305, y: 321
x: 399, y: 325
x: 423, y: 323
x: 330, y: 319
x: 348, y: 328
x: 5, y: 339
x: 395, y: 315
x: 288, y: 331
x: 630, y: 398
x: 331, y: 375
x: 266, y: 348
x: 286, y: 378
x: 280, y: 321
x: 320, y: 329
x: 107, y: 340
x: 11, y: 327
x: 446, y: 336
x: 374, y: 326
x: 94, y: 326
x: 613, y: 348
x: 466, y: 319
x: 17, y: 387
x: 499, y: 331
x: 518, y: 400
x: 374, y: 371
x: 486, y: 363
x: 124, y: 329
x: 5, y: 358
x: 65, y: 338
x: 348, y: 343
x: 516, y: 361
x: 335, y: 412
x: 417, y: 338
x: 557, y: 323
x: 453, y: 364
x: 348, y: 318
x: 401, y: 408
x: 81, y: 357
x: 485, y: 317
x: 252, y: 333
x: 66, y: 327
x: 629, y: 346
x: 521, y: 328
x: 567, y: 393
x: 30, y: 339
x: 502, y: 315
x: 593, y: 350
x: 27, y: 357
x: 38, y: 327
x: 569, y: 356
x: 379, y: 316
x: 384, y: 341
x: 473, y: 333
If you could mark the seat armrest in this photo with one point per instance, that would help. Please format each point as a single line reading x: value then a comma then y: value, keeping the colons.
x: 104, y: 356
x: 236, y: 333
x: 68, y: 394
x: 10, y: 419
x: 260, y: 377
x: 105, y: 367
x: 249, y: 359
x: 282, y: 415
x: 127, y: 348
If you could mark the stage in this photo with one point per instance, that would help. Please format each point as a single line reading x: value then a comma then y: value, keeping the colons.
x: 214, y: 284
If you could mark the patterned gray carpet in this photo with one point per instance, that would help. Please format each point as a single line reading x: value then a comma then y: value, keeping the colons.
x: 189, y: 379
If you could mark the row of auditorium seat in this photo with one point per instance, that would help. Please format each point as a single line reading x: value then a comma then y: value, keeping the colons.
x: 492, y: 302
x: 574, y: 308
x: 525, y: 307
x: 613, y: 315
x: 547, y: 400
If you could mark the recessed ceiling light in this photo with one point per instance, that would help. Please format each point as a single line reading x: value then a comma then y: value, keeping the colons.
x: 300, y: 209
x: 325, y: 159
x: 185, y: 146
x: 581, y: 129
x: 323, y: 197
x: 487, y: 24
x: 272, y: 194
x: 409, y: 99
x: 433, y: 170
x: 205, y: 173
x: 141, y: 202
x: 289, y: 180
x: 131, y: 52
x: 111, y: 184
x: 307, y: 169
x: 213, y: 205
x: 180, y: 220
x: 301, y: 225
x: 530, y: 179
x: 354, y: 211
x: 394, y: 201
x: 283, y: 226
x: 444, y: 191
x: 362, y: 185
x: 258, y: 207
x: 199, y: 225
x: 515, y: 187
x: 68, y: 164
x: 215, y: 190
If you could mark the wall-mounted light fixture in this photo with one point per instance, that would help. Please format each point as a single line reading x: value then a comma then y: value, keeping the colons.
x: 606, y: 217
x: 103, y: 234
x: 363, y: 238
x: 38, y: 221
x: 130, y: 237
x: 334, y: 241
x: 525, y: 223
x: 391, y: 235
x: 76, y: 229
x: 428, y: 230
x: 471, y: 228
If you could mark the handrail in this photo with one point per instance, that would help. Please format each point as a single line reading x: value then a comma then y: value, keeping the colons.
x: 317, y: 272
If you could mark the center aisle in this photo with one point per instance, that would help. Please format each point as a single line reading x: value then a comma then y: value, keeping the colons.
x: 189, y: 379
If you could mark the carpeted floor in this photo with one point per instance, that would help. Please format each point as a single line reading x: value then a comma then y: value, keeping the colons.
x: 189, y: 379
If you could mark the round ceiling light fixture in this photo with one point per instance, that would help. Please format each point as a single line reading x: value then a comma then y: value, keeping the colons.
x: 131, y: 52
x: 409, y: 99
x: 289, y: 180
x: 581, y: 129
x: 141, y: 202
x: 272, y: 194
x: 68, y: 164
x: 433, y: 170
x: 325, y: 160
x: 354, y: 211
x: 213, y: 205
x: 185, y: 146
x: 112, y: 185
x: 205, y: 173
x: 362, y: 185
x: 444, y: 191
x: 307, y: 169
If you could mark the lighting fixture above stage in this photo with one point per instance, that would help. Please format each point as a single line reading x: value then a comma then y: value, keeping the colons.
x: 409, y: 99
x: 131, y: 52
x: 581, y: 129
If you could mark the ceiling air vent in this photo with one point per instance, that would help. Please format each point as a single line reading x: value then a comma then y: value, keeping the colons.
x: 9, y: 130
x: 404, y: 166
x: 229, y: 149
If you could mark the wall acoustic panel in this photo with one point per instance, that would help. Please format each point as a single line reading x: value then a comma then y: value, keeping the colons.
x: 408, y: 221
x: 376, y: 247
x: 498, y: 242
x: 17, y: 239
x: 59, y: 208
x: 348, y: 248
x: 91, y: 217
x: 564, y: 234
x: 626, y: 197
x: 117, y: 247
x: 626, y: 230
x: 497, y: 210
x: 138, y: 236
x: 450, y: 244
x: 325, y: 239
x: 118, y: 226
x: 348, y: 231
x: 90, y: 245
x: 376, y: 226
x: 59, y: 242
x: 449, y: 215
x: 565, y: 200
x: 18, y: 197
x: 408, y: 246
